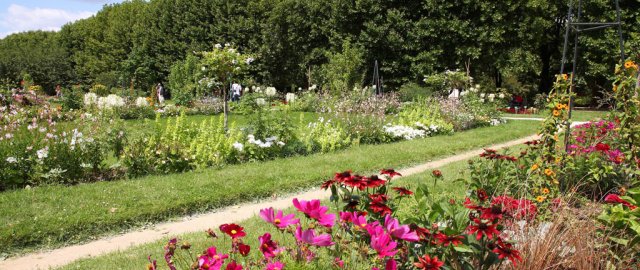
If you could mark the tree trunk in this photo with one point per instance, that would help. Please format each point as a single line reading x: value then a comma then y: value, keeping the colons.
x: 226, y: 107
x: 545, y: 81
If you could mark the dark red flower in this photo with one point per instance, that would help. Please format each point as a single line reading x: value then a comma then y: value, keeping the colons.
x: 447, y: 240
x: 483, y: 228
x: 327, y: 184
x: 470, y: 205
x: 492, y: 213
x: 234, y: 266
x: 505, y: 250
x: 482, y: 194
x: 244, y: 249
x: 233, y: 230
x: 390, y: 172
x: 378, y: 197
x: 374, y: 181
x: 340, y: 177
x: 614, y: 198
x: 437, y: 173
x: 403, y: 191
x: 428, y: 263
x: 603, y: 147
x: 355, y: 181
x: 423, y: 233
x: 379, y: 207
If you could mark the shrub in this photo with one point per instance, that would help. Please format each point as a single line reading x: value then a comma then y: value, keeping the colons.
x: 413, y: 91
x: 72, y: 99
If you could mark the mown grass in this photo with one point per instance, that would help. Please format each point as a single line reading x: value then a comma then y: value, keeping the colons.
x: 576, y: 115
x: 53, y: 216
x: 136, y: 257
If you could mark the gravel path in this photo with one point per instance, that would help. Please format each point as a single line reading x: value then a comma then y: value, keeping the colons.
x: 66, y: 255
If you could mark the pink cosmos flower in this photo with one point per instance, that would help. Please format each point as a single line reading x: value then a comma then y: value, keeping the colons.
x: 314, y: 210
x: 309, y: 237
x: 275, y: 266
x: 279, y: 220
x: 381, y: 241
x: 268, y: 247
x: 399, y: 232
x: 211, y: 260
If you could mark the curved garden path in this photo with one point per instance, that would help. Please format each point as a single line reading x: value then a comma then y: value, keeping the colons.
x: 65, y: 255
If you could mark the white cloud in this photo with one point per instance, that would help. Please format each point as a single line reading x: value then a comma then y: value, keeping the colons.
x: 19, y: 18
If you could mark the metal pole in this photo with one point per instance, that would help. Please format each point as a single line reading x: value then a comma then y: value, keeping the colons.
x: 566, y: 37
x: 567, y: 134
x: 620, y: 31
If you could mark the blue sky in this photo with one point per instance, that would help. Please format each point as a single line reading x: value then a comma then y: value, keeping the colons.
x: 24, y: 15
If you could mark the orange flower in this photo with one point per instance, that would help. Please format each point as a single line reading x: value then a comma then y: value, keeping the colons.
x: 615, y: 88
x: 556, y: 113
x: 630, y: 65
x: 565, y: 77
x: 534, y: 167
x: 545, y: 191
x: 540, y: 199
x: 548, y: 172
x: 559, y: 106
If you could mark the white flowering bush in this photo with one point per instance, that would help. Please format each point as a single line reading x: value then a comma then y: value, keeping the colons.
x: 290, y: 97
x: 404, y: 132
x: 90, y: 99
x: 271, y: 91
x: 141, y: 102
x: 110, y: 102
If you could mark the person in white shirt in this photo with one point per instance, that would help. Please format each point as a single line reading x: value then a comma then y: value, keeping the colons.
x: 236, y: 90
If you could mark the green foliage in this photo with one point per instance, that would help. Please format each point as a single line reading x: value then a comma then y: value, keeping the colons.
x: 425, y: 112
x: 343, y: 72
x: 443, y: 83
x: 413, y: 91
x: 183, y: 80
x: 72, y: 99
x: 323, y: 136
x: 100, y: 90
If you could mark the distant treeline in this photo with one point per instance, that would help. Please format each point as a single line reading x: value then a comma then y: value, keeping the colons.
x: 497, y: 41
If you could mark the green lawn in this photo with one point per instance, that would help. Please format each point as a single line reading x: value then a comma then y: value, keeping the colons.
x: 576, y: 115
x: 49, y: 217
x: 135, y: 258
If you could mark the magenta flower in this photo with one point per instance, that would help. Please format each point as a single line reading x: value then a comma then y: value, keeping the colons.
x: 399, y: 232
x: 381, y: 241
x: 309, y: 237
x: 211, y: 260
x: 346, y: 217
x: 268, y: 247
x: 314, y: 210
x: 359, y: 220
x: 279, y: 220
x: 275, y: 266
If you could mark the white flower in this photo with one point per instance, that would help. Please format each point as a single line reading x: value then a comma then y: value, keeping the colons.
x: 482, y: 100
x: 290, y: 97
x: 43, y: 153
x: 249, y: 60
x: 492, y: 97
x: 482, y: 95
x: 313, y: 87
x: 501, y: 96
x: 281, y: 143
x: 271, y: 91
x: 217, y: 46
x: 261, y: 101
x: 234, y: 61
x: 110, y: 102
x: 141, y: 102
x: 203, y: 68
x: 8, y: 135
x: 272, y: 138
x: 238, y: 146
x: 12, y: 160
x: 408, y: 133
x: 42, y: 129
x: 227, y: 44
x: 90, y: 99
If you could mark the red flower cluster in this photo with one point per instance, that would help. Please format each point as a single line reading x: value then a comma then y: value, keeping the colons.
x: 378, y: 204
x: 355, y: 181
x: 491, y: 155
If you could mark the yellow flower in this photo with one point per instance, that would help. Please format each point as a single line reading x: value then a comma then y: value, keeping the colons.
x: 622, y: 191
x: 555, y: 181
x: 540, y: 199
x: 556, y: 113
x: 565, y: 77
x: 548, y: 172
x: 534, y: 167
x: 559, y: 106
x: 555, y: 137
x: 545, y: 191
x: 558, y: 160
x: 630, y: 64
x: 615, y: 88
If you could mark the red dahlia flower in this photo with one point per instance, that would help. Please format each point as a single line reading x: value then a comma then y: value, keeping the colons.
x: 428, y: 263
x: 447, y: 240
x: 403, y: 191
x: 483, y: 228
x: 390, y: 172
x: 233, y: 230
x: 505, y: 250
x: 374, y: 181
x: 268, y: 247
x: 603, y: 147
x: 379, y: 207
x: 244, y: 249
